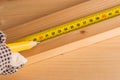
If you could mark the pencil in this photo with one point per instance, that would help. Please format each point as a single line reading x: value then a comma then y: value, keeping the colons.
x: 21, y: 46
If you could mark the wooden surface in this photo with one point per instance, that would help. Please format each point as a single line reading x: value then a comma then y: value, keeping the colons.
x: 51, y: 48
x: 100, y: 61
x: 15, y: 12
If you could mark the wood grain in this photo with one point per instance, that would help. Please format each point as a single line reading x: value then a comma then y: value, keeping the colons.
x: 15, y: 12
x: 59, y: 17
x: 100, y: 61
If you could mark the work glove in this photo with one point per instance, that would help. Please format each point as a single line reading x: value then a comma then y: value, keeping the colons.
x: 9, y: 62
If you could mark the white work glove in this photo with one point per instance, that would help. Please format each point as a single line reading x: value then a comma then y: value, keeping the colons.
x: 9, y: 62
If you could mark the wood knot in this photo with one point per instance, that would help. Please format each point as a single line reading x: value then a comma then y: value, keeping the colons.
x: 82, y: 32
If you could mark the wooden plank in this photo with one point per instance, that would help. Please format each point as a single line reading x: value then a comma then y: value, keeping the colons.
x: 15, y: 12
x: 95, y: 62
x: 58, y: 18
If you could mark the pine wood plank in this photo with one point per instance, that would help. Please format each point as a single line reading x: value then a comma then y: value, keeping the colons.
x: 15, y: 12
x: 96, y: 62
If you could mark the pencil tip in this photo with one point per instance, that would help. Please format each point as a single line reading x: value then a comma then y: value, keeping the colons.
x: 34, y: 43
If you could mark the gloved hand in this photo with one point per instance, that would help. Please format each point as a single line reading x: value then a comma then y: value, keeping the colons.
x: 9, y: 62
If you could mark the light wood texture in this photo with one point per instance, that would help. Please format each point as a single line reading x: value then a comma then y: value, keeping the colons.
x: 15, y: 12
x: 100, y: 61
x: 60, y: 17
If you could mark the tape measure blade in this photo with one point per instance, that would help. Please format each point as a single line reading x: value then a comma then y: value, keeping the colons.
x: 73, y: 25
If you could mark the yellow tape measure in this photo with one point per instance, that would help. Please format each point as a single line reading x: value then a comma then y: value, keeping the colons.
x: 76, y: 24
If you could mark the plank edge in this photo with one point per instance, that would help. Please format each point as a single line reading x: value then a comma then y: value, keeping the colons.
x: 74, y: 45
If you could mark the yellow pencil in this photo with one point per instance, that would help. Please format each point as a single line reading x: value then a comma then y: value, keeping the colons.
x: 21, y: 46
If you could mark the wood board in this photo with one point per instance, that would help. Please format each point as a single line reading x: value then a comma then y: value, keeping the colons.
x: 100, y: 61
x: 16, y: 12
x: 47, y: 49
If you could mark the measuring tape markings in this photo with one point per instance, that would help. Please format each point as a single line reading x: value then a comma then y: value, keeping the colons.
x: 73, y: 25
